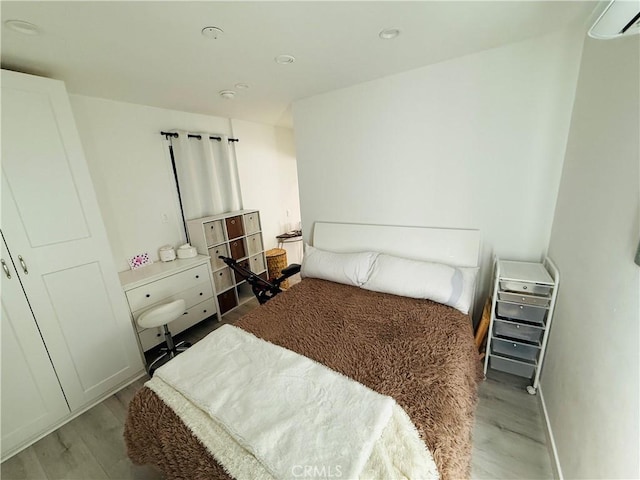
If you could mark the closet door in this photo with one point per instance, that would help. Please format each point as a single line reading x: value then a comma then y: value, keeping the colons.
x: 32, y: 399
x: 53, y: 228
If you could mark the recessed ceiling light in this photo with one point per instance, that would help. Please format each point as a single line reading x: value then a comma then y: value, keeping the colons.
x: 22, y: 27
x: 285, y: 59
x: 212, y: 32
x: 389, y: 33
x: 227, y: 94
x: 242, y: 86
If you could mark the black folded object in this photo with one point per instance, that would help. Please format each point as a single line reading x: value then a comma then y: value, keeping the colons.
x: 264, y: 290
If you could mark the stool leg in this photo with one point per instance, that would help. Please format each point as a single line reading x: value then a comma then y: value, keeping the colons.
x: 152, y: 366
x: 172, y: 348
x: 182, y: 346
x: 169, y: 339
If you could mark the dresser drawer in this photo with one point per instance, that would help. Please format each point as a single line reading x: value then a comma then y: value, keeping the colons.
x: 215, y: 252
x: 191, y: 296
x: 514, y: 349
x: 254, y: 244
x: 524, y: 287
x: 238, y: 276
x: 151, y: 337
x: 223, y: 279
x: 517, y: 331
x: 213, y: 232
x: 237, y: 249
x: 251, y: 223
x: 524, y: 298
x: 153, y: 292
x: 256, y: 263
x: 227, y: 301
x: 234, y: 227
x: 528, y: 313
x: 512, y: 366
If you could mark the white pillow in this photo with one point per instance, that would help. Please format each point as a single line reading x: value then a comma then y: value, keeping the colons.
x: 347, y: 268
x: 453, y: 286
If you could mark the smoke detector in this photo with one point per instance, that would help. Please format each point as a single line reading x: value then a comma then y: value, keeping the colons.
x: 212, y: 32
x: 285, y: 59
x: 227, y: 94
x: 389, y: 33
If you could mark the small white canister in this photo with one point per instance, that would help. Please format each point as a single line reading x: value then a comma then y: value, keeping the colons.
x: 187, y: 251
x: 167, y: 253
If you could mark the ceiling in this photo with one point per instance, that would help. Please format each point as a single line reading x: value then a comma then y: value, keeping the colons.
x: 153, y: 53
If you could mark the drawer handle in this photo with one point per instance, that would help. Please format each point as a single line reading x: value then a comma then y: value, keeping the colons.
x: 201, y: 295
x: 515, y: 345
x: 233, y: 222
x: 197, y: 276
x: 517, y: 326
x: 6, y: 269
x: 148, y: 295
x: 524, y: 287
x: 185, y: 313
x: 23, y: 265
x: 204, y: 311
x: 521, y: 307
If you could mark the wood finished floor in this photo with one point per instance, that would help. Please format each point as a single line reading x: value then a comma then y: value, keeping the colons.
x: 508, y: 439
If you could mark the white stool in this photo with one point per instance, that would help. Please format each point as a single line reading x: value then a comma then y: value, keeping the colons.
x: 160, y: 316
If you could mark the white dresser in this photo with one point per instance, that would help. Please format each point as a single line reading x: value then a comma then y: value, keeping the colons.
x: 524, y: 296
x: 163, y: 282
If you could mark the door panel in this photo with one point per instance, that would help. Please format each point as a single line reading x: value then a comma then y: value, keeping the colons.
x: 33, y: 154
x: 78, y: 295
x: 32, y: 399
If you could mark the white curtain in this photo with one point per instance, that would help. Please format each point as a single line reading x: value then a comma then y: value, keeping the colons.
x: 207, y: 174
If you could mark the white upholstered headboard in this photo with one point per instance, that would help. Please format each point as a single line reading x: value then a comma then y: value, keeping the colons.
x: 453, y: 246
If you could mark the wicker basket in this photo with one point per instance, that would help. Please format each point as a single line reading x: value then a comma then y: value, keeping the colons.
x: 276, y: 261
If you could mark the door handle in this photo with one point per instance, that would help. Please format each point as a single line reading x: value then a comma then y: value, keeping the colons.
x: 5, y: 268
x: 23, y: 265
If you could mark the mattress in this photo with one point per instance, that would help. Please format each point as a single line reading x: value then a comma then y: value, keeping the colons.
x: 419, y: 352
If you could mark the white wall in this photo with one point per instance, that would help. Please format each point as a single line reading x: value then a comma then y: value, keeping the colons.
x: 269, y: 178
x: 475, y: 142
x: 131, y: 171
x: 591, y: 377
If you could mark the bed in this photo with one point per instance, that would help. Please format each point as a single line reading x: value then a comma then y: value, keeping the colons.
x: 418, y: 352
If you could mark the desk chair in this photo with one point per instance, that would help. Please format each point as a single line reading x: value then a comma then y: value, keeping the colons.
x: 160, y: 316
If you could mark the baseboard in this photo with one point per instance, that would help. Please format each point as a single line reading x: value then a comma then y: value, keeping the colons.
x: 551, y: 443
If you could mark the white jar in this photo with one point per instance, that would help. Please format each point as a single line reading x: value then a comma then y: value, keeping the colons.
x: 187, y: 251
x: 167, y: 253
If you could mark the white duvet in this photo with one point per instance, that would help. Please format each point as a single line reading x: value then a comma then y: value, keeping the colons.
x: 263, y: 411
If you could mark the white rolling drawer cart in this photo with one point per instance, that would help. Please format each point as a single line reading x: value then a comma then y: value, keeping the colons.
x: 524, y: 296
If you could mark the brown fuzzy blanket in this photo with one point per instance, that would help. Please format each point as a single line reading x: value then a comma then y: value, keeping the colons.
x: 419, y: 352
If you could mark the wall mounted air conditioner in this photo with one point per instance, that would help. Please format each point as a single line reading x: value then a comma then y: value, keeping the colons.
x: 621, y: 17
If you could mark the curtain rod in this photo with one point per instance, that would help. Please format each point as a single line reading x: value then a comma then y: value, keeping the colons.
x: 199, y: 137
